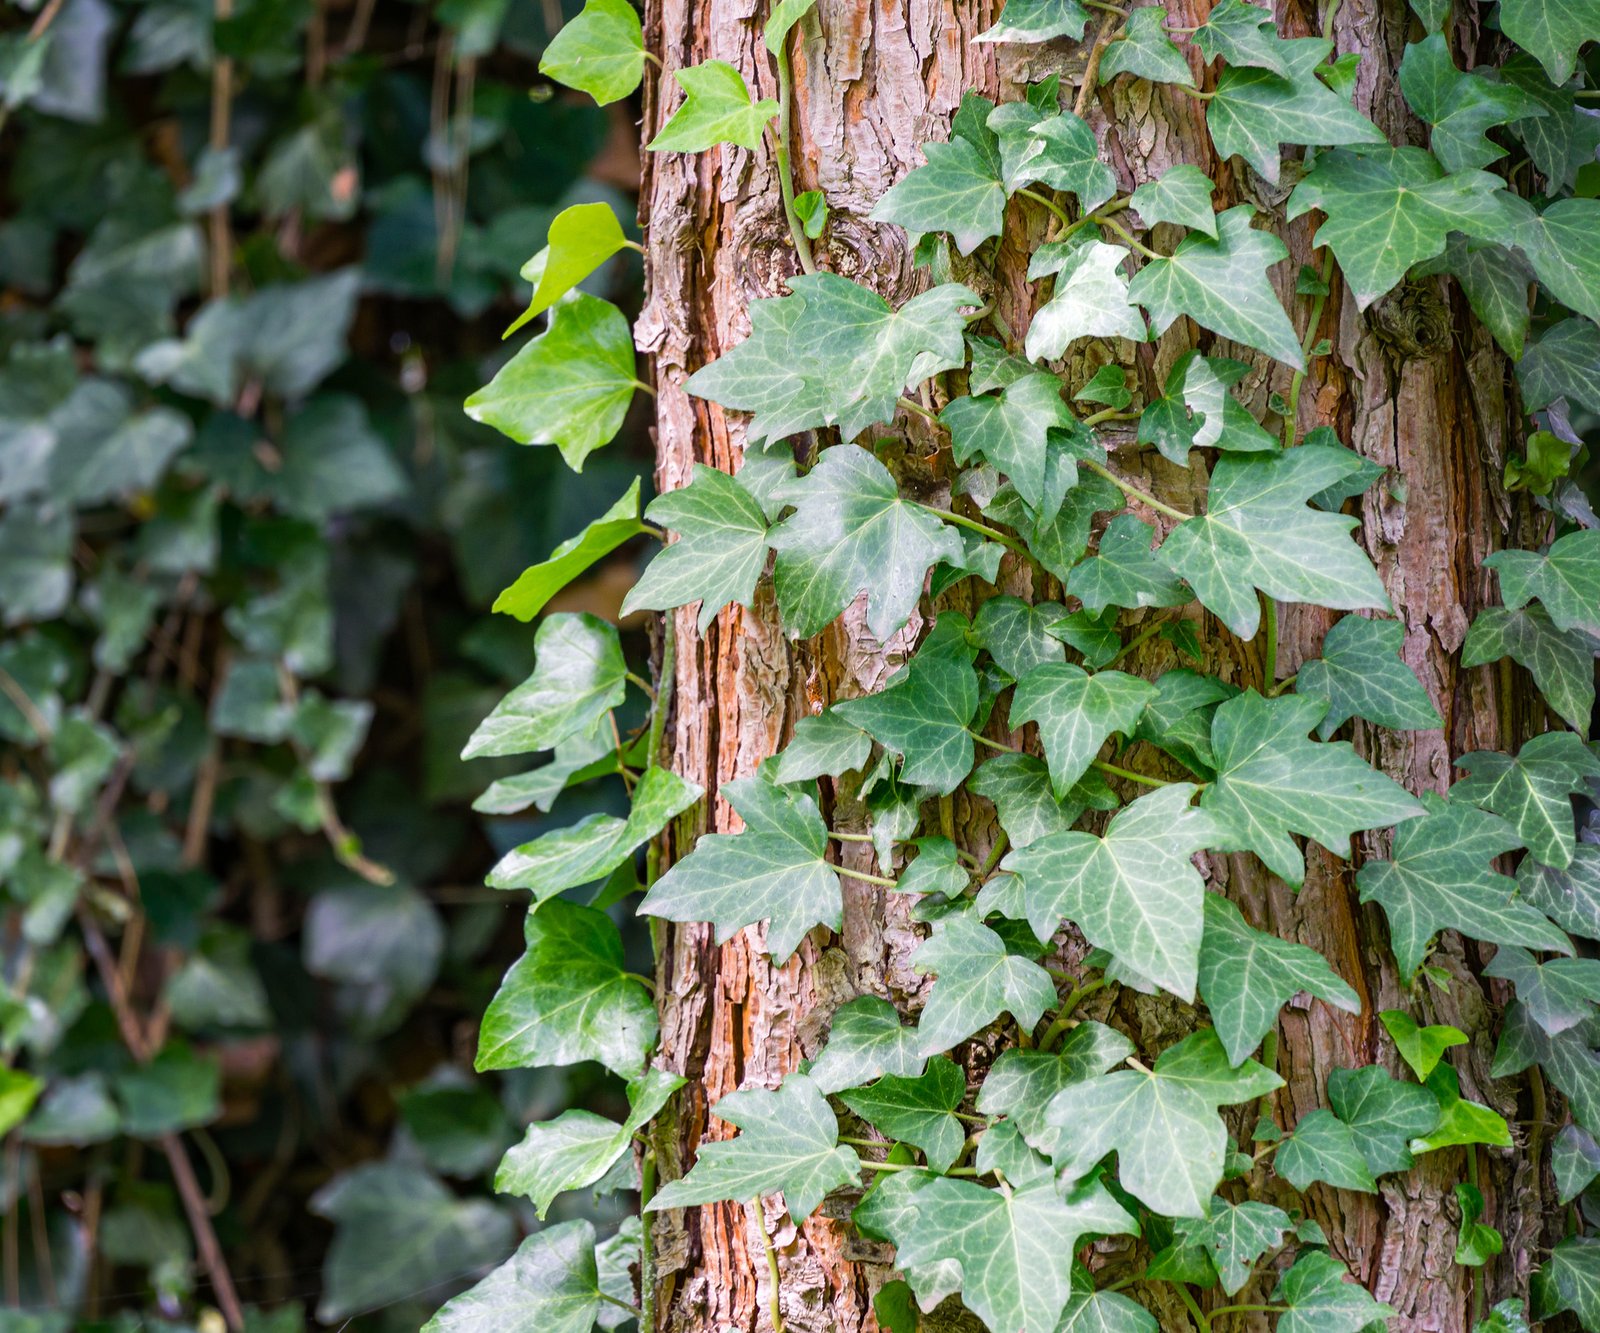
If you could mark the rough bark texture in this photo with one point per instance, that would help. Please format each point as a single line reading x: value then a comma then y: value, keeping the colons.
x: 1413, y: 383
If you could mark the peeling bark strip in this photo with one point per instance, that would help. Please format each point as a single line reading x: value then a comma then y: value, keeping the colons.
x: 1413, y: 384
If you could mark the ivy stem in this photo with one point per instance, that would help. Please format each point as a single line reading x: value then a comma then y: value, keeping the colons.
x: 1109, y: 414
x: 912, y: 405
x: 1135, y: 643
x: 785, y: 131
x: 1048, y: 202
x: 774, y: 1303
x: 1307, y: 342
x: 1195, y: 1311
x: 1269, y: 645
x: 1064, y: 1019
x: 1132, y: 491
x: 1113, y: 771
x: 647, y: 1253
x: 1116, y: 205
x: 1135, y: 244
x: 995, y: 853
x: 1192, y: 92
x: 913, y: 1166
x: 1282, y: 685
x: 994, y: 744
x: 849, y: 837
x: 866, y: 878
x: 616, y: 1301
x: 643, y: 684
x: 972, y: 525
x: 1251, y: 1309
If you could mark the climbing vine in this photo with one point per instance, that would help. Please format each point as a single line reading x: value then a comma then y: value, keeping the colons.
x: 1105, y: 784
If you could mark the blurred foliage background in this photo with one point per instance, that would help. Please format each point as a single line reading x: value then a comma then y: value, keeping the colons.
x: 254, y: 255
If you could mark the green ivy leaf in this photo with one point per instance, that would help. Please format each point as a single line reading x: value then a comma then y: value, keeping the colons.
x: 1461, y: 1122
x: 581, y: 238
x: 570, y: 386
x: 601, y: 52
x: 1182, y: 194
x: 866, y: 1041
x: 1057, y: 150
x: 789, y: 1145
x: 1133, y: 892
x: 1057, y: 542
x: 1438, y: 878
x: 588, y: 851
x: 1561, y: 140
x: 1383, y: 1114
x: 579, y: 677
x: 1091, y: 1311
x: 1006, y: 1247
x: 1146, y: 51
x: 1017, y: 635
x: 1569, y: 895
x: 1247, y: 975
x: 834, y: 354
x: 822, y: 745
x: 923, y: 716
x: 1532, y: 791
x: 1460, y: 107
x: 1551, y: 31
x: 1272, y: 781
x: 1566, y: 579
x: 1222, y: 285
x: 1076, y: 713
x: 579, y: 1148
x: 1236, y: 1236
x: 1259, y: 533
x: 917, y: 1110
x: 1562, y: 663
x: 717, y: 108
x: 537, y: 584
x: 1125, y: 571
x: 957, y: 191
x: 785, y: 14
x: 720, y: 552
x: 1361, y: 674
x: 1242, y: 36
x: 1090, y: 299
x: 1021, y: 1083
x: 1564, y: 363
x: 851, y: 532
x: 775, y: 871
x: 1323, y: 1148
x: 1320, y: 1300
x: 568, y: 998
x: 1033, y: 21
x: 977, y: 979
x: 1575, y: 1160
x: 1558, y: 994
x: 1162, y: 1124
x: 1421, y: 1047
x: 1178, y: 720
x: 1019, y: 786
x: 1254, y: 110
x: 1566, y: 1058
x: 1009, y: 430
x: 1388, y: 210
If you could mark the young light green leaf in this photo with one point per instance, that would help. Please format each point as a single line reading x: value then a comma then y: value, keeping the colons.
x: 1532, y: 791
x: 977, y: 980
x: 1146, y: 51
x: 1383, y: 1114
x: 957, y: 191
x: 1255, y: 110
x: 1021, y: 1083
x: 1247, y: 975
x: 1125, y: 571
x: 537, y: 584
x: 1181, y: 195
x: 1272, y: 781
x: 923, y: 717
x: 1007, y: 1247
x: 1323, y: 1148
x: 1009, y: 430
x: 717, y: 108
x: 588, y: 851
x: 785, y: 14
x: 578, y: 1148
x: 851, y: 532
x: 1162, y: 1124
x: 1090, y: 299
x: 789, y: 1145
x: 549, y: 1285
x: 568, y: 998
x: 917, y: 1110
x: 1076, y: 713
x: 1320, y: 1300
x: 581, y: 238
x: 601, y: 52
x: 1133, y: 892
x: 720, y: 552
x: 1019, y: 786
x: 1558, y: 994
x: 1033, y: 21
x: 1388, y: 210
x: 1566, y: 578
x: 774, y: 871
x: 570, y: 386
x: 1361, y: 674
x: 1421, y: 1047
x: 1561, y: 662
x: 1460, y: 107
x: 1236, y: 1236
x: 1222, y: 285
x: 1259, y: 533
x: 834, y: 354
x: 1461, y: 1123
x: 866, y: 1041
x: 1438, y: 878
x: 579, y: 677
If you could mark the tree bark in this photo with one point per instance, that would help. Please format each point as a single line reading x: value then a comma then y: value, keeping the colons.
x: 1414, y: 383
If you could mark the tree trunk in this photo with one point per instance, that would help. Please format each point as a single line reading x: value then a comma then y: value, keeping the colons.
x: 1414, y: 383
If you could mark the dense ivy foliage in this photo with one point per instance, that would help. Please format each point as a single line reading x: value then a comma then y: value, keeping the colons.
x: 1106, y: 784
x: 249, y: 268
